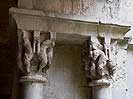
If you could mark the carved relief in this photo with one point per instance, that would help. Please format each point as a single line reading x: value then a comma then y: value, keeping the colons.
x: 28, y: 54
x: 34, y: 57
x: 96, y: 59
x: 46, y: 55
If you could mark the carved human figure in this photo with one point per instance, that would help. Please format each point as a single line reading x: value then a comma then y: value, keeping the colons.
x: 97, y: 59
x: 36, y: 42
x: 98, y: 62
x: 33, y: 57
x: 28, y: 54
x: 46, y: 55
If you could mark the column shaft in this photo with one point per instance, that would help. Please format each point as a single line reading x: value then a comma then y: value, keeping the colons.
x: 31, y: 90
x: 101, y: 92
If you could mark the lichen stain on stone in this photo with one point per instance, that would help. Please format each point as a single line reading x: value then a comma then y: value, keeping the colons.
x: 87, y: 6
x: 111, y: 8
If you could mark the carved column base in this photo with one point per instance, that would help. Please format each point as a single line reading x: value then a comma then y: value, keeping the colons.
x: 32, y: 86
x: 101, y: 89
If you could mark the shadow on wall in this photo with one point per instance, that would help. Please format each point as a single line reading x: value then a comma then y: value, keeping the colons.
x: 5, y: 97
x: 14, y: 47
x: 8, y: 49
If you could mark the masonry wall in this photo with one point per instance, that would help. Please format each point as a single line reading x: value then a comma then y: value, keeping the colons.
x: 66, y: 76
x: 129, y: 6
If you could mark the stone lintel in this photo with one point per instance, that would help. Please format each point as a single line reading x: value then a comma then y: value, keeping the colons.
x: 66, y: 24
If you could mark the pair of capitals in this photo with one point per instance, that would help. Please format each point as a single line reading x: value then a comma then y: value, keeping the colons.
x: 36, y: 53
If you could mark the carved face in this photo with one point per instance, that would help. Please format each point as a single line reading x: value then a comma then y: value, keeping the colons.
x: 96, y: 46
x: 27, y: 45
x: 48, y: 43
x: 52, y: 44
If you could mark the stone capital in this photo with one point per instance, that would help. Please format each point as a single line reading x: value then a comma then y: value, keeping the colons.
x: 98, y: 59
x: 35, y: 53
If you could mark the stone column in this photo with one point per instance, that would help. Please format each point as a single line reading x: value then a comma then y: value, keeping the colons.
x: 99, y: 66
x: 32, y: 87
x: 34, y: 59
x: 101, y: 90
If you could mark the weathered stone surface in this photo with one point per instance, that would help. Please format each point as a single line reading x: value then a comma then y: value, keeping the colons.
x: 65, y: 24
x: 120, y: 76
x: 66, y: 75
x: 106, y: 11
x: 129, y: 12
x: 34, y: 56
x: 97, y: 60
x: 78, y: 17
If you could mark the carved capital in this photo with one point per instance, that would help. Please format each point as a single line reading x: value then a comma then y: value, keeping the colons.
x: 97, y: 54
x: 35, y: 53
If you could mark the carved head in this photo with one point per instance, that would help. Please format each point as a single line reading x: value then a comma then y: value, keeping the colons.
x: 27, y: 43
x: 48, y: 43
x: 96, y: 45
